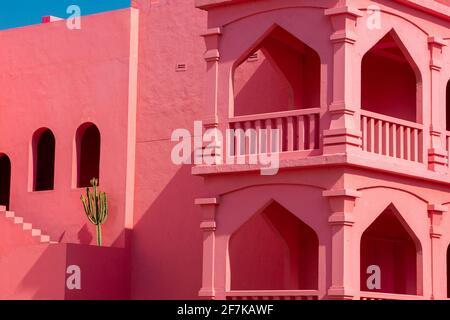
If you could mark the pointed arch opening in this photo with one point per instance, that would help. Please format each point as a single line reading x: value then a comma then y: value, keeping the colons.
x: 390, y: 246
x: 88, y: 154
x: 280, y: 73
x: 447, y: 106
x: 5, y: 180
x: 274, y: 250
x: 43, y: 144
x: 448, y: 271
x: 390, y: 80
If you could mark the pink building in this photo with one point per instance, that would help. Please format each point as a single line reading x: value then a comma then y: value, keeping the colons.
x: 359, y: 91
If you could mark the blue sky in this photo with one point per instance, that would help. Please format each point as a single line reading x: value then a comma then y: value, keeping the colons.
x: 15, y: 13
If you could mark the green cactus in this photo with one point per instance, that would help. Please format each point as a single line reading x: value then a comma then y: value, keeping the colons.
x: 96, y: 207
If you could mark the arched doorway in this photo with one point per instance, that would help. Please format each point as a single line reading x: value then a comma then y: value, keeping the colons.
x: 390, y: 81
x: 280, y: 73
x: 447, y: 106
x: 274, y: 250
x: 448, y: 272
x: 388, y: 245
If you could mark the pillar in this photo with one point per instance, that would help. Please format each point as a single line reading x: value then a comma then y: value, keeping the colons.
x: 211, y: 120
x: 438, y: 253
x: 208, y: 226
x: 341, y: 221
x: 344, y: 133
x: 437, y: 154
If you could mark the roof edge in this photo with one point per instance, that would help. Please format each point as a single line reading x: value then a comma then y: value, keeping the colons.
x: 439, y: 8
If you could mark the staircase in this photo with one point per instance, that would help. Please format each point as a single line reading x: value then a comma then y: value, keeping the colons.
x: 27, y: 227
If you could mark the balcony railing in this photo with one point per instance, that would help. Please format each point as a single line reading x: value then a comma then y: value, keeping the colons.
x: 447, y: 145
x: 272, y: 295
x: 298, y: 131
x: 391, y: 136
x: 364, y: 295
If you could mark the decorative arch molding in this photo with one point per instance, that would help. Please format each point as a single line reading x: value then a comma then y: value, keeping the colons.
x: 403, y: 46
x: 271, y: 184
x: 258, y: 33
x: 240, y: 205
x: 393, y: 188
x: 405, y: 225
x: 401, y: 17
x: 272, y: 10
x: 367, y: 211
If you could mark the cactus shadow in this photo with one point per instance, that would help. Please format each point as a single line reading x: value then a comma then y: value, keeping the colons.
x: 84, y: 235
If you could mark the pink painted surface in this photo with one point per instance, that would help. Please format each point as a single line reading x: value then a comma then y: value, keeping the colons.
x: 363, y: 179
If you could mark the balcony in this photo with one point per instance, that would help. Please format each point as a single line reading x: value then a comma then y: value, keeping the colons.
x: 278, y: 84
x: 386, y: 142
x: 298, y: 133
x: 310, y: 295
x: 272, y: 295
x: 391, y: 137
x: 364, y: 295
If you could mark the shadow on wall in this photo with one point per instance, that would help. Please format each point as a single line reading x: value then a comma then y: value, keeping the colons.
x: 39, y: 272
x: 84, y: 235
x: 166, y: 237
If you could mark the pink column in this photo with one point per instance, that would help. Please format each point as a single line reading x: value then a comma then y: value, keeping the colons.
x: 212, y: 57
x: 437, y: 154
x: 344, y: 133
x: 208, y: 225
x: 438, y: 253
x: 341, y: 221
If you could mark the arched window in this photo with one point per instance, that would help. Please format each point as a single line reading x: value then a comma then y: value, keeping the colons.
x: 390, y: 80
x: 88, y: 154
x: 279, y: 73
x: 44, y: 159
x: 5, y: 180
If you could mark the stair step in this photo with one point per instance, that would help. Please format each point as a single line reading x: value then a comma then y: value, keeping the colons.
x: 18, y: 220
x: 27, y: 226
x: 9, y: 214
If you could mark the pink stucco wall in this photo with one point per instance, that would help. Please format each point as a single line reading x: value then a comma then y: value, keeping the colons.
x: 166, y: 234
x: 119, y: 72
x: 59, y: 78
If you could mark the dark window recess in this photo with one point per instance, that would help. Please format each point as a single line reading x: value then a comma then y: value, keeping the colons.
x: 45, y: 161
x: 88, y: 150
